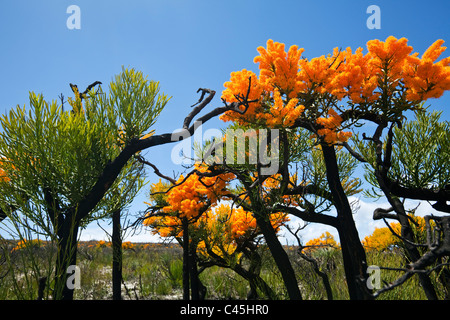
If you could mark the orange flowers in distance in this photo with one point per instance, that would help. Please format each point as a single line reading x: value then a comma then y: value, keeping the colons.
x: 383, y: 238
x: 326, y: 240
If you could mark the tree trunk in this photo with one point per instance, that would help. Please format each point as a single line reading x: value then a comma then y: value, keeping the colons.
x: 193, y: 272
x: 255, y: 282
x: 323, y: 275
x: 354, y: 256
x: 280, y: 256
x: 413, y: 254
x: 66, y: 256
x: 185, y: 259
x: 407, y: 233
x: 117, y: 256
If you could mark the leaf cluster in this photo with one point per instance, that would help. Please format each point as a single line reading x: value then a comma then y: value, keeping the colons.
x: 420, y: 153
x: 46, y: 150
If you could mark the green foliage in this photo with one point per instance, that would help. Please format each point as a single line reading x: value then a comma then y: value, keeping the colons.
x: 421, y: 151
x: 48, y: 149
x: 134, y: 103
x: 146, y: 275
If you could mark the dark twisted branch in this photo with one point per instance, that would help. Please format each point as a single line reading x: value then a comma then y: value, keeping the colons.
x: 155, y: 169
x: 113, y: 169
x: 439, y: 246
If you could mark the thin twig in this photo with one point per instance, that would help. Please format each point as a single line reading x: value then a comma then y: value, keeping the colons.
x: 156, y: 170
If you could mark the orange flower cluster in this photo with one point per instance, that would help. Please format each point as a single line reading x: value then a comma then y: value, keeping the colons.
x: 277, y: 78
x: 273, y: 183
x: 381, y: 239
x: 317, y: 74
x: 286, y: 81
x: 108, y: 244
x: 426, y: 78
x: 127, y: 245
x: 281, y: 114
x: 226, y: 227
x: 388, y: 59
x: 190, y: 195
x: 330, y: 130
x: 222, y: 228
x: 240, y: 221
x: 238, y: 86
x: 326, y: 240
x: 166, y: 226
x: 3, y: 176
x: 278, y: 69
x: 355, y: 78
x: 102, y: 244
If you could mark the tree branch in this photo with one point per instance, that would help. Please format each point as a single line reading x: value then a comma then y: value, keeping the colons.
x: 155, y: 169
x: 355, y: 154
x: 113, y: 169
x: 309, y: 189
x: 308, y: 215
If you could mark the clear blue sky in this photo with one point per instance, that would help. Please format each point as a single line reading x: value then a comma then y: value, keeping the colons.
x: 187, y: 44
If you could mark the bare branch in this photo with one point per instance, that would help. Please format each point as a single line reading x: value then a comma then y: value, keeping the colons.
x: 199, y: 105
x: 402, y: 238
x: 381, y: 213
x: 308, y: 215
x: 156, y: 170
x: 353, y: 152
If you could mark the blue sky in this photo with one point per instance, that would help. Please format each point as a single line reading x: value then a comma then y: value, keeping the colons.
x: 186, y: 45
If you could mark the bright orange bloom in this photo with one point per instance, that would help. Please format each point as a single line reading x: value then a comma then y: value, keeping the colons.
x: 3, y: 174
x: 166, y: 226
x: 127, y: 245
x: 102, y: 244
x: 280, y: 113
x: 224, y: 228
x: 191, y: 195
x: 278, y: 69
x: 277, y: 79
x: 330, y: 128
x: 389, y: 59
x: 273, y: 183
x: 288, y: 87
x: 318, y: 73
x: 238, y: 86
x: 34, y: 243
x: 383, y: 239
x: 426, y: 78
x: 355, y: 78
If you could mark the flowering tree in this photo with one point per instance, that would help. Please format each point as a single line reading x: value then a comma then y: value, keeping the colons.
x: 176, y: 210
x: 66, y: 168
x: 325, y: 240
x: 230, y: 236
x: 378, y: 86
x: 263, y: 194
x: 221, y: 236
